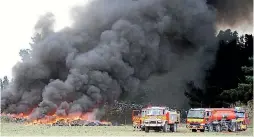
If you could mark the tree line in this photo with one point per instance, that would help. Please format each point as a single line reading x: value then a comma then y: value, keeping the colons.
x: 4, y: 82
x: 230, y: 79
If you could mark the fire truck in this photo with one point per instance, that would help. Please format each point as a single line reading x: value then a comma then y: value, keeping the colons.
x: 137, y: 119
x: 157, y: 118
x: 216, y: 119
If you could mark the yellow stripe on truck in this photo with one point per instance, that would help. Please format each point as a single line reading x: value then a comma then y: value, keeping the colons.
x: 161, y: 117
x: 194, y: 120
x: 157, y: 117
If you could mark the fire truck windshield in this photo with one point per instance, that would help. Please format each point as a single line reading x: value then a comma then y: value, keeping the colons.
x: 240, y: 114
x: 154, y: 112
x: 196, y: 114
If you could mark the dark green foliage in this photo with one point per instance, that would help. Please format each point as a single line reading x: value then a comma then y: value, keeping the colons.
x: 230, y: 78
x: 244, y: 91
x: 120, y: 112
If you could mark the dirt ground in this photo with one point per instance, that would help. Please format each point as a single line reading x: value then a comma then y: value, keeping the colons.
x: 13, y: 129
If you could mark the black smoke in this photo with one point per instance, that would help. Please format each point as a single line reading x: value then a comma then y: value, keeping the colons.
x: 232, y: 13
x: 112, y: 46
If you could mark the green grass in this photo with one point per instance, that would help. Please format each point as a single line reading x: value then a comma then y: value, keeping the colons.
x: 12, y: 129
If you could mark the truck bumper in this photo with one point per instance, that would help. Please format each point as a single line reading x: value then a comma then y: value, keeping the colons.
x: 153, y: 125
x: 198, y: 127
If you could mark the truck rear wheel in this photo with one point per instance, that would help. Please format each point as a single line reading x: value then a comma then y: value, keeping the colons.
x: 194, y: 130
x: 147, y: 129
x: 165, y: 127
x: 210, y: 128
x: 202, y: 130
x: 218, y: 128
x: 174, y: 127
x: 233, y: 127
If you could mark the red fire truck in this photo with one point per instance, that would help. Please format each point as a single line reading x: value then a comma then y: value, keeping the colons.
x: 217, y: 119
x: 157, y: 118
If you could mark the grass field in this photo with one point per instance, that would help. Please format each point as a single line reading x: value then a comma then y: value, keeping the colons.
x: 12, y: 129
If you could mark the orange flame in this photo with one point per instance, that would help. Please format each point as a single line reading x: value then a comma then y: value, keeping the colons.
x: 53, y: 119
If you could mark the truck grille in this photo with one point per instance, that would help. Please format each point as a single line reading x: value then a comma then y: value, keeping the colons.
x: 152, y: 122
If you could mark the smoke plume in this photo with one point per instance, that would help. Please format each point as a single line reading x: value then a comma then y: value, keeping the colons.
x: 112, y: 47
x: 233, y: 13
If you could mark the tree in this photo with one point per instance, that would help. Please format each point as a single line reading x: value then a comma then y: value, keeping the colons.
x: 244, y: 91
x: 25, y: 54
x: 1, y: 85
x: 5, y: 82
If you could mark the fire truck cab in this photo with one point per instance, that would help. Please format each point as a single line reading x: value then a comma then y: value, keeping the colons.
x: 241, y: 119
x: 196, y: 119
x: 160, y: 118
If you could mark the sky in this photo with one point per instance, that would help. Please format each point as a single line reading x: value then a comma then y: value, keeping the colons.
x: 18, y: 18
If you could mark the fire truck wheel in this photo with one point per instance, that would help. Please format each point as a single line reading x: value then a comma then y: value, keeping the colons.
x: 233, y: 128
x: 146, y: 129
x: 194, y: 130
x: 202, y: 130
x: 165, y: 127
x: 174, y: 128
x: 210, y: 128
x: 218, y: 128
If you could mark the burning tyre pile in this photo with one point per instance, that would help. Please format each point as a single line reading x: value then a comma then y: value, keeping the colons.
x: 80, y: 122
x: 13, y: 118
x: 54, y: 121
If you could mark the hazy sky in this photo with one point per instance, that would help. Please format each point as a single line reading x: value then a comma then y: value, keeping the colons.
x: 18, y: 18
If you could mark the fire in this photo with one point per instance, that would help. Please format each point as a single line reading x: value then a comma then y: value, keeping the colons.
x: 54, y: 119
